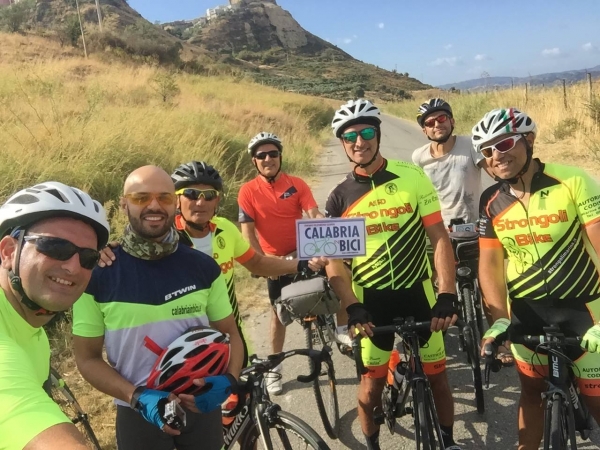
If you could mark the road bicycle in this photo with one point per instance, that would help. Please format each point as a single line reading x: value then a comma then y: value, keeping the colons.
x: 261, y: 424
x: 311, y: 302
x: 466, y: 254
x: 565, y: 413
x: 395, y: 398
x: 58, y: 391
x: 328, y: 246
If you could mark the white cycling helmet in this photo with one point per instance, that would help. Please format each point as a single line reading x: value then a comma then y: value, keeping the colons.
x: 264, y: 138
x: 499, y: 122
x: 353, y: 112
x: 53, y: 199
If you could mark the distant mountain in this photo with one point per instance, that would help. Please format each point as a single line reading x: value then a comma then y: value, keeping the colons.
x: 547, y: 79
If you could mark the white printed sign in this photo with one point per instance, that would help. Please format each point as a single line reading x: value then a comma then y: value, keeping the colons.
x: 333, y: 238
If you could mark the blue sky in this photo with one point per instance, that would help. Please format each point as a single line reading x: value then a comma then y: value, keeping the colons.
x: 440, y: 41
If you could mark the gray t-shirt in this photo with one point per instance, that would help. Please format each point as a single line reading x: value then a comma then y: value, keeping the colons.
x: 456, y: 177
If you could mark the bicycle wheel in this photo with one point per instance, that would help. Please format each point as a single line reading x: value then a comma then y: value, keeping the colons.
x: 324, y: 385
x: 62, y: 395
x: 558, y: 425
x: 472, y: 347
x: 330, y: 248
x: 287, y: 432
x: 422, y: 419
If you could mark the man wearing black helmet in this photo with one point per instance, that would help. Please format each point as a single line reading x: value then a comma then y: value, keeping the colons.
x: 269, y: 206
x: 392, y: 280
x: 450, y: 162
x: 49, y: 240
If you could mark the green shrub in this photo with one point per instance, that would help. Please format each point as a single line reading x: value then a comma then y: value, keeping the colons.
x: 566, y: 128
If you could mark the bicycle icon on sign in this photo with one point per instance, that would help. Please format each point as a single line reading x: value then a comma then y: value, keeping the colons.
x: 327, y: 245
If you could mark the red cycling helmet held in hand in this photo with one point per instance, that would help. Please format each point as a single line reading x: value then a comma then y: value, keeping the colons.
x: 199, y: 353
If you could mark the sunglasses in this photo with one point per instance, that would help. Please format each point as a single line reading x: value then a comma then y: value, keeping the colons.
x: 503, y: 146
x: 366, y: 133
x: 194, y: 194
x: 145, y: 198
x: 429, y: 123
x: 272, y: 154
x: 63, y: 250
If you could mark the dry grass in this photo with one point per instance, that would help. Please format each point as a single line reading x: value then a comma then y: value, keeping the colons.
x: 89, y: 123
x: 567, y: 136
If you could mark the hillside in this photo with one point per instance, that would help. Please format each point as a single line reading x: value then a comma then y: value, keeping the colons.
x: 254, y: 39
x: 267, y: 41
x: 546, y: 79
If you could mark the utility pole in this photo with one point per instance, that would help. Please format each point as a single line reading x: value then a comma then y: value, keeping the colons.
x: 81, y: 28
x: 99, y: 14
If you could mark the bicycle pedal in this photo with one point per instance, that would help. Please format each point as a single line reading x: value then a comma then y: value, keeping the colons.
x: 378, y: 416
x: 408, y: 410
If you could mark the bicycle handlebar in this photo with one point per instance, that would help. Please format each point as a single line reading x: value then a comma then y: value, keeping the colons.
x: 262, y: 366
x: 400, y: 327
x: 552, y: 337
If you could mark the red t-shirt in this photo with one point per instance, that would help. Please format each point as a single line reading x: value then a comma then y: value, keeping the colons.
x: 274, y: 208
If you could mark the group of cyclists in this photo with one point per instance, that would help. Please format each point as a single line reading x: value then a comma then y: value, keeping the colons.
x: 172, y: 271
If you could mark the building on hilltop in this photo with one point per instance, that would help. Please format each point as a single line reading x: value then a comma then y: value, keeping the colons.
x: 247, y: 2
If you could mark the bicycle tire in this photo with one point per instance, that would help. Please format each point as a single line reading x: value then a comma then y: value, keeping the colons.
x: 324, y: 389
x: 477, y: 302
x: 65, y: 399
x: 284, y: 423
x: 422, y: 419
x: 472, y: 348
x: 558, y: 425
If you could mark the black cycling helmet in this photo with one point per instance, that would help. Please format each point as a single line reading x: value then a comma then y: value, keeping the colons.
x: 431, y: 106
x: 196, y: 172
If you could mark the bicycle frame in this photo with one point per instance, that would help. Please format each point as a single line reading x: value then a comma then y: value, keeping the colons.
x: 408, y: 329
x: 560, y: 383
x: 258, y: 408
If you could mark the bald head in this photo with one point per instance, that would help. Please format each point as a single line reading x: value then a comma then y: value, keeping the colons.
x: 148, y: 179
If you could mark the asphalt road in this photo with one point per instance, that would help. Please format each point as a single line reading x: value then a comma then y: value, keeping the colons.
x: 494, y: 430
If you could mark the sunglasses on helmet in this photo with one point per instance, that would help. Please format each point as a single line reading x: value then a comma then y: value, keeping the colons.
x: 429, y: 123
x: 366, y: 133
x: 63, y: 250
x: 271, y: 154
x: 145, y: 198
x: 194, y: 194
x: 503, y: 146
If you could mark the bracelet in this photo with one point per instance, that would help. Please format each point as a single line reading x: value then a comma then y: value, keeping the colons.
x: 136, y: 396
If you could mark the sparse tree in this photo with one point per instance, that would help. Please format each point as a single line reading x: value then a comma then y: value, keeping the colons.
x: 358, y: 92
x: 165, y: 85
x: 13, y: 17
x: 69, y: 32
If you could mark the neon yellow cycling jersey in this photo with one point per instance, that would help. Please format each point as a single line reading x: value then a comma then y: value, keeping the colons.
x: 549, y: 254
x: 228, y: 245
x: 24, y: 367
x: 398, y: 201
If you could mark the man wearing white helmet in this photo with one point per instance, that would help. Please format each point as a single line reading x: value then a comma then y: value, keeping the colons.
x: 49, y: 240
x: 546, y: 218
x: 401, y: 209
x: 269, y: 206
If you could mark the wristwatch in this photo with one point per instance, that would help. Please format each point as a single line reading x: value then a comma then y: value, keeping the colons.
x: 135, y: 397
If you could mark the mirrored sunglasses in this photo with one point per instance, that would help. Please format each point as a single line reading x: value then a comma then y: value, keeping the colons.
x: 503, y: 146
x: 430, y: 123
x: 366, y: 133
x: 194, y: 194
x: 63, y: 250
